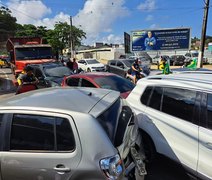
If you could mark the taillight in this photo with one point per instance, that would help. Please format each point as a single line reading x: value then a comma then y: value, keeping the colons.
x: 112, y: 167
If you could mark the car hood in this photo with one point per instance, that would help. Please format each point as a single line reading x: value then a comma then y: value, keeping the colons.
x: 96, y: 65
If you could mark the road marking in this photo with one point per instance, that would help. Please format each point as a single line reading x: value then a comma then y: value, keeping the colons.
x: 7, y: 82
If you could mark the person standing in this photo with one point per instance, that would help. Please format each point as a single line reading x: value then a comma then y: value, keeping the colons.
x: 75, y: 66
x: 150, y: 41
x: 135, y: 69
x: 69, y: 64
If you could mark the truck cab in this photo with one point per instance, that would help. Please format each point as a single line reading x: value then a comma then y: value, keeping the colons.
x: 25, y: 51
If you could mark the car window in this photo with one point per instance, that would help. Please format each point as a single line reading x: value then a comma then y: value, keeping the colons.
x: 65, y: 136
x: 113, y: 63
x: 155, y: 99
x: 120, y: 64
x: 81, y: 61
x: 108, y: 119
x: 43, y: 133
x: 93, y: 61
x: 31, y: 132
x: 179, y: 103
x: 72, y: 81
x: 146, y: 95
x: 86, y: 83
x: 209, y: 111
x: 115, y: 83
x: 38, y: 73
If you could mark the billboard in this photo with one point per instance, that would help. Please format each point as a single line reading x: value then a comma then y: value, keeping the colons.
x: 126, y: 42
x: 161, y: 39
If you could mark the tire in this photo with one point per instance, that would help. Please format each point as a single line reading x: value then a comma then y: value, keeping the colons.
x: 149, y: 147
x: 88, y: 70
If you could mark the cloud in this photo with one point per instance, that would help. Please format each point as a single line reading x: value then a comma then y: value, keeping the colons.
x: 147, y: 5
x: 113, y: 39
x: 154, y: 26
x: 28, y: 11
x: 149, y: 18
x: 50, y: 22
x: 95, y: 18
x: 98, y: 16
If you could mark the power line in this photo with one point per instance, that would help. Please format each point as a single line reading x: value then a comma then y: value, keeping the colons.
x: 19, y: 11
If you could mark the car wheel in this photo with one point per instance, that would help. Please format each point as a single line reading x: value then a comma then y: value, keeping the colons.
x: 148, y: 146
x: 88, y: 70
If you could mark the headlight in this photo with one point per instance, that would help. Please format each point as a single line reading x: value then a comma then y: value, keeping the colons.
x: 112, y: 167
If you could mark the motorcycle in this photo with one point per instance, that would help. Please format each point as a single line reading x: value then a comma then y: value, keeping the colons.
x: 139, y: 75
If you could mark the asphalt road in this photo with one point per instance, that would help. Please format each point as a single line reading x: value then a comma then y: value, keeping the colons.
x: 160, y: 169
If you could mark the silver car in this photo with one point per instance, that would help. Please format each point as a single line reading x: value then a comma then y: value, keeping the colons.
x: 65, y: 133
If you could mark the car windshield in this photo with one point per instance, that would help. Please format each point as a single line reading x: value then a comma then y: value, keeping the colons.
x: 30, y: 53
x: 195, y: 54
x: 129, y: 62
x: 56, y: 71
x: 93, y: 61
x: 115, y: 83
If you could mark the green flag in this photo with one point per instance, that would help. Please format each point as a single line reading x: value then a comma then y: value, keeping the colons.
x: 193, y: 64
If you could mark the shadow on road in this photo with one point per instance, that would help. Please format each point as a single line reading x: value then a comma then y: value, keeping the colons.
x: 163, y: 168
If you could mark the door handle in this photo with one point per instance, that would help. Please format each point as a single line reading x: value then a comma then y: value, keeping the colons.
x: 208, y: 145
x: 61, y: 168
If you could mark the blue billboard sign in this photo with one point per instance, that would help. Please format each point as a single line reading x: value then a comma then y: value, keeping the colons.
x: 163, y: 39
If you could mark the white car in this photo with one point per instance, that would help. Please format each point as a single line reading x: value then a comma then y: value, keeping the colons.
x: 194, y: 54
x: 174, y: 115
x: 91, y: 65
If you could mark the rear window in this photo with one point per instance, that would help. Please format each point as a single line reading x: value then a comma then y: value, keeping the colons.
x: 109, y: 119
x: 115, y: 83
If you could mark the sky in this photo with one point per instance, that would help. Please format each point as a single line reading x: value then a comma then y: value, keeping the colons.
x: 107, y: 20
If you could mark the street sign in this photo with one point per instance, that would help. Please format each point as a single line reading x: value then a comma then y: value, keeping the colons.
x: 161, y: 39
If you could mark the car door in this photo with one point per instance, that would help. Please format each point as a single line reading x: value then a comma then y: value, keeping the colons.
x: 40, y: 146
x: 112, y: 66
x: 171, y: 122
x: 120, y: 69
x: 205, y: 137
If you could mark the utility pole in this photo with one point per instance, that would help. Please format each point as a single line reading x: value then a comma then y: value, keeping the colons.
x: 204, y: 27
x: 71, y: 38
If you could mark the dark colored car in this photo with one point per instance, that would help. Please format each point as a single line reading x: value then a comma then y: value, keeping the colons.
x: 121, y: 66
x: 100, y: 80
x: 50, y: 74
x: 177, y: 60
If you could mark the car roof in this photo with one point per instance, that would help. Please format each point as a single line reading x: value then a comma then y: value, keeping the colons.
x: 84, y: 100
x: 93, y: 74
x: 200, y: 80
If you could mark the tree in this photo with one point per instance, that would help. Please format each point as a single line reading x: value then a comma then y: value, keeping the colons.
x: 7, y: 23
x: 59, y: 38
x: 31, y: 30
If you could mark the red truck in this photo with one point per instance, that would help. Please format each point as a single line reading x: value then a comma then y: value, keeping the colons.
x: 27, y: 50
